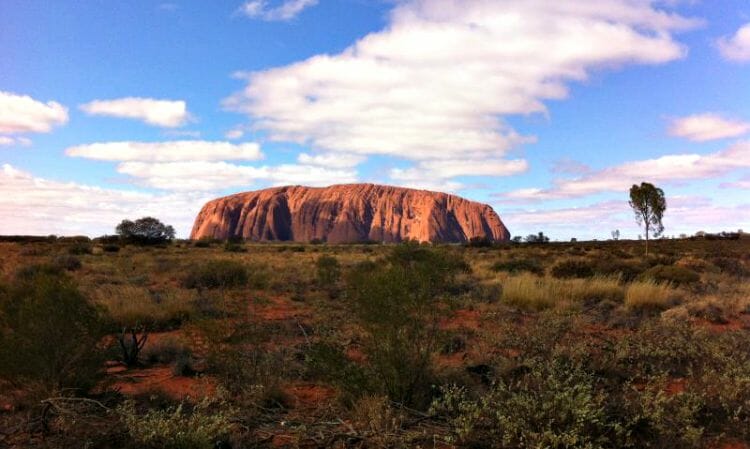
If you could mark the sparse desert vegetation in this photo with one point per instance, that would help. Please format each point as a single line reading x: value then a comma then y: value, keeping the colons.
x: 527, y: 345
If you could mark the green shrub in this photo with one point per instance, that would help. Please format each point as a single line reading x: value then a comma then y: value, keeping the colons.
x: 396, y: 304
x: 68, y: 262
x: 233, y: 246
x: 552, y: 407
x: 518, y: 266
x: 573, y: 268
x: 328, y: 270
x: 731, y: 266
x: 50, y: 334
x: 329, y: 362
x: 111, y: 248
x: 217, y: 274
x: 613, y: 267
x: 672, y: 274
x: 180, y: 427
x: 80, y: 249
x: 29, y: 272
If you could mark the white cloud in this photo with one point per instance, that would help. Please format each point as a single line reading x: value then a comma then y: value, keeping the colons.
x: 437, y: 174
x: 663, y: 169
x: 330, y: 160
x: 708, y: 126
x: 287, y: 10
x: 182, y: 150
x: 163, y: 113
x: 202, y: 176
x: 737, y: 47
x: 436, y: 83
x: 9, y: 141
x: 23, y: 114
x: 234, y: 134
x: 36, y: 206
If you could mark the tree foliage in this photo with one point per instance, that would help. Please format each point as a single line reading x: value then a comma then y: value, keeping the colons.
x: 145, y: 231
x: 648, y: 204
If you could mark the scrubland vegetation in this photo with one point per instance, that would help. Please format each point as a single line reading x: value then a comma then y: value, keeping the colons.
x: 236, y: 345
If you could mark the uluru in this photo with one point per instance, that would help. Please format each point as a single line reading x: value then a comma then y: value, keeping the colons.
x: 348, y: 213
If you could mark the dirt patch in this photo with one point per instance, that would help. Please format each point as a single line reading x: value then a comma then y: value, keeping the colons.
x: 732, y: 325
x: 144, y: 381
x: 279, y: 309
x: 307, y: 395
x: 462, y: 319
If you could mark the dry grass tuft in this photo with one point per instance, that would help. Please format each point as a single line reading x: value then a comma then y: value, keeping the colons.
x: 128, y: 305
x: 650, y: 295
x: 535, y: 293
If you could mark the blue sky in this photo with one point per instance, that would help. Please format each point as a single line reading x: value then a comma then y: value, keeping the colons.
x: 546, y: 110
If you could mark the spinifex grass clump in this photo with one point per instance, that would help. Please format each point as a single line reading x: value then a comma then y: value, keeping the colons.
x: 535, y: 293
x: 650, y: 295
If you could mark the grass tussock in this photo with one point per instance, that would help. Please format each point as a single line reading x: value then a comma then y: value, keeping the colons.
x: 650, y: 295
x: 535, y: 293
x: 129, y: 306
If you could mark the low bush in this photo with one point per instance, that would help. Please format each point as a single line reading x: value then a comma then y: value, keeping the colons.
x: 68, y: 262
x: 549, y: 407
x: 573, y: 268
x: 182, y: 427
x: 519, y: 266
x: 328, y: 270
x: 232, y: 246
x: 626, y: 270
x: 731, y: 266
x: 50, y: 334
x: 671, y: 274
x: 396, y: 303
x: 217, y: 274
x: 649, y: 295
x: 111, y: 248
x: 80, y: 249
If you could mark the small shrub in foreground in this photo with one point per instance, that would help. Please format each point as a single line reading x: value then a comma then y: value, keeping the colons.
x: 207, y: 423
x: 50, y: 334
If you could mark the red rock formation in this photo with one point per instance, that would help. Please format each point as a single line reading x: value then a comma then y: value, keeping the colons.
x: 348, y: 213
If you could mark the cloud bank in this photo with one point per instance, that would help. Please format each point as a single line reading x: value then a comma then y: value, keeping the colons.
x: 436, y: 84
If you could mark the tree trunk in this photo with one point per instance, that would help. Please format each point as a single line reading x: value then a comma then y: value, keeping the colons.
x: 646, y: 238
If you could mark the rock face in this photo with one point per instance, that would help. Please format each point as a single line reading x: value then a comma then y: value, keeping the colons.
x: 348, y: 213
